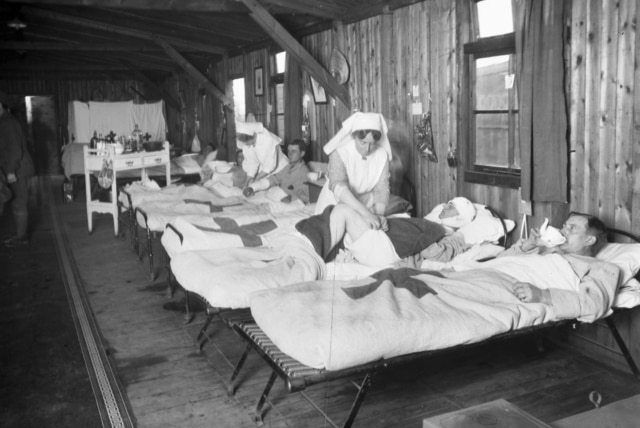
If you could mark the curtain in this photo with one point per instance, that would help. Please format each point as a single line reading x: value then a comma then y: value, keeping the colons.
x: 542, y: 110
x: 292, y: 100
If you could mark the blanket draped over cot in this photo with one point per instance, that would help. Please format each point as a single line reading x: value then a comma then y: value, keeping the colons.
x: 322, y: 326
x: 226, y: 277
x: 229, y: 229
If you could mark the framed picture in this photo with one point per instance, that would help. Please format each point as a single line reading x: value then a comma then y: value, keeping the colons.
x: 319, y: 95
x: 258, y: 81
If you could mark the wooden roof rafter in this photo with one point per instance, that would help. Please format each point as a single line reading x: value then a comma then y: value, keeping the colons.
x: 122, y: 30
x: 159, y: 91
x: 167, y: 5
x: 194, y: 72
x: 297, y: 51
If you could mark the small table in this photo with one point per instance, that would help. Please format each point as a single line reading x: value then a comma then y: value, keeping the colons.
x: 93, y: 162
x: 495, y: 414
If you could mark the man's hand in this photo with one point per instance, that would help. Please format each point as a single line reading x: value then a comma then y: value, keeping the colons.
x: 384, y: 225
x: 532, y: 241
x: 248, y: 191
x: 11, y: 178
x: 529, y: 293
x: 372, y: 220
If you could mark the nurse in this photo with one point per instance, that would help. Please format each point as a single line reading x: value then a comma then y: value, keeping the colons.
x: 261, y: 150
x: 358, y: 172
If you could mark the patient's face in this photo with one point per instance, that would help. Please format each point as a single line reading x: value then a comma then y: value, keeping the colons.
x: 578, y: 239
x: 449, y: 210
x: 294, y: 153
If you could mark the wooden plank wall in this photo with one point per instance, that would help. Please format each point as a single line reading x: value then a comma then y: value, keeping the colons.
x: 605, y: 125
x: 422, y: 45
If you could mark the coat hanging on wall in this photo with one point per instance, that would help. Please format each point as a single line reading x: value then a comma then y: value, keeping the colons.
x: 424, y: 137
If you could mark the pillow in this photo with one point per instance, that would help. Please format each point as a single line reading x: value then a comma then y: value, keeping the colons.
x: 397, y: 205
x: 482, y: 210
x: 628, y: 295
x: 625, y: 256
x: 485, y: 229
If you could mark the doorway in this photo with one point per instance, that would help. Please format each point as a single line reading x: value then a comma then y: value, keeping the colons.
x: 41, y: 134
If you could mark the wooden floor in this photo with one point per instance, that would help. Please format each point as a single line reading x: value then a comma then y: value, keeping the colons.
x: 169, y: 384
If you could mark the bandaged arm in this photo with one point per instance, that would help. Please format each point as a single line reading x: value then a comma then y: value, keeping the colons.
x: 262, y: 184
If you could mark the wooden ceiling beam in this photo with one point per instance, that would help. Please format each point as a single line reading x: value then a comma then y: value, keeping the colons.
x: 55, y: 46
x: 286, y: 41
x: 110, y: 28
x: 194, y: 72
x: 154, y: 86
x: 315, y: 8
x: 187, y: 5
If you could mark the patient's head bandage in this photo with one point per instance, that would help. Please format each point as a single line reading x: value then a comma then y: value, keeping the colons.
x: 466, y: 213
x: 356, y: 122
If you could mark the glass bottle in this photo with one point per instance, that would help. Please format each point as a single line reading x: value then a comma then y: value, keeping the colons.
x: 93, y: 143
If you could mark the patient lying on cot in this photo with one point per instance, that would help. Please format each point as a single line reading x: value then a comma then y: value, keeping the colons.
x: 397, y: 238
x: 336, y: 324
x: 448, y: 231
x: 584, y: 235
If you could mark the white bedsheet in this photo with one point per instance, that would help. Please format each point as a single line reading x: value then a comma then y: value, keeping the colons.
x: 318, y: 324
x: 226, y: 278
x: 196, y: 237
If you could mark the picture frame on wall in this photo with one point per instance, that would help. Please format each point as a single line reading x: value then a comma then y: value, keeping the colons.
x: 258, y: 81
x: 319, y: 94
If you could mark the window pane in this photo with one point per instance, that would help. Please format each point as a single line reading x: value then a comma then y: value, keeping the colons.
x: 281, y: 126
x: 238, y: 99
x: 492, y: 140
x: 280, y: 98
x: 492, y: 78
x: 281, y: 58
x: 280, y: 109
x: 494, y: 17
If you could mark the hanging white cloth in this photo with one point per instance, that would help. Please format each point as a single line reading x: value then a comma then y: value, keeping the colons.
x: 79, y: 122
x: 150, y: 119
x: 111, y: 116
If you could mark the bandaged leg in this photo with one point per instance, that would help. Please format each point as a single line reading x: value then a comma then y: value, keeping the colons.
x: 346, y: 221
x: 372, y: 248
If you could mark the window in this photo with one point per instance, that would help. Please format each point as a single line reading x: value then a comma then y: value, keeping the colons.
x: 239, y: 106
x: 281, y: 58
x: 491, y: 109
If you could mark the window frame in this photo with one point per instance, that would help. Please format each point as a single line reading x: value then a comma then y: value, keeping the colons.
x: 509, y: 177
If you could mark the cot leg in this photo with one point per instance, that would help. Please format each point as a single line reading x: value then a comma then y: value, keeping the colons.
x: 132, y: 241
x: 152, y: 273
x: 202, y: 333
x: 134, y: 231
x: 170, y: 288
x: 623, y: 347
x: 231, y: 388
x: 357, y: 402
x: 139, y: 246
x: 188, y: 316
x: 257, y: 418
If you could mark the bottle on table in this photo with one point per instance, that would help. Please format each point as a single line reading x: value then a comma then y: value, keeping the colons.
x: 93, y: 143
